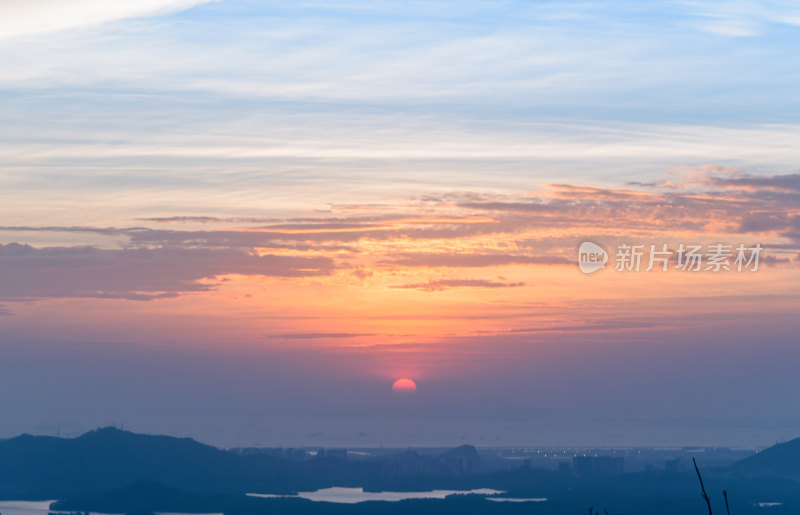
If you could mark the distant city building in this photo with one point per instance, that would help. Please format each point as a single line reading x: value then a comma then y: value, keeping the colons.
x: 293, y: 454
x: 336, y: 454
x: 460, y: 461
x: 597, y: 466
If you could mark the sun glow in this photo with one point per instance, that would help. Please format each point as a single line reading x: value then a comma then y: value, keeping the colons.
x: 404, y: 386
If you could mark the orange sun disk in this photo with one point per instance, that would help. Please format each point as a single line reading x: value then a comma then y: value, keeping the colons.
x: 404, y: 385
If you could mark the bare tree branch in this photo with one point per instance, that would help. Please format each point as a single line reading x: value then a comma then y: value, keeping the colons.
x: 702, y: 487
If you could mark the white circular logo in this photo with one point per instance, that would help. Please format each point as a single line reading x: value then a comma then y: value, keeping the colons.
x: 591, y: 257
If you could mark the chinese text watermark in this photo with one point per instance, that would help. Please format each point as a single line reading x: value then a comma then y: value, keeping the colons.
x: 686, y: 258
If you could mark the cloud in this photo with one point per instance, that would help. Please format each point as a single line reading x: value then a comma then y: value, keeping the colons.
x: 554, y: 57
x: 19, y: 17
x: 317, y: 336
x: 186, y: 219
x: 447, y: 284
x: 742, y: 17
x: 788, y: 182
x: 27, y: 272
x: 606, y: 324
x: 472, y: 260
x: 778, y: 261
x: 368, y: 244
x: 301, y: 235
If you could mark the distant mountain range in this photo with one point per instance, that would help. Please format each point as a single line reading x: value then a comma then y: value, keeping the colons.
x: 105, y: 459
x: 117, y: 471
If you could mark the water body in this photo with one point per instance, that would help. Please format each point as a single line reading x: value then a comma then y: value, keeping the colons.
x: 25, y: 507
x: 354, y: 495
x: 335, y: 495
x: 43, y: 508
x: 517, y: 499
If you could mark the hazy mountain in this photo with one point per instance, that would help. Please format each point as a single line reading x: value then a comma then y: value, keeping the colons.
x: 119, y: 471
x: 43, y: 466
x: 782, y: 459
x: 107, y: 459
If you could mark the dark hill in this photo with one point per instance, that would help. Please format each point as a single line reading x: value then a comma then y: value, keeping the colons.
x: 108, y: 458
x: 147, y: 497
x: 782, y: 459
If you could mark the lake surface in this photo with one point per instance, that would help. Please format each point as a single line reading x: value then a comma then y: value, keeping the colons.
x: 335, y: 494
x: 43, y: 508
x: 354, y: 495
x: 517, y: 499
x: 25, y: 507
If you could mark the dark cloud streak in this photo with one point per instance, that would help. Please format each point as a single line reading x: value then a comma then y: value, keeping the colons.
x: 135, y: 274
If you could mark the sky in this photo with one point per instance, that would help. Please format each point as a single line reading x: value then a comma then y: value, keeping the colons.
x: 242, y: 221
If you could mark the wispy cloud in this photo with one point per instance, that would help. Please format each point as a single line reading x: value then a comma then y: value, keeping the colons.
x: 472, y: 260
x: 447, y: 284
x: 318, y: 336
x: 742, y: 17
x: 18, y: 18
x: 253, y: 109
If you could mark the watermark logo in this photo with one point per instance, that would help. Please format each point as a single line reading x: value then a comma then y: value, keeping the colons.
x: 686, y: 258
x: 591, y: 257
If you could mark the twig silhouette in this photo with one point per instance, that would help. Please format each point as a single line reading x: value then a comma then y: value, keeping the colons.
x: 725, y: 495
x: 702, y: 487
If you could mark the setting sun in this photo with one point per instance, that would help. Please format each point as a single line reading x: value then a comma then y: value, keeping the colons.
x: 404, y: 386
